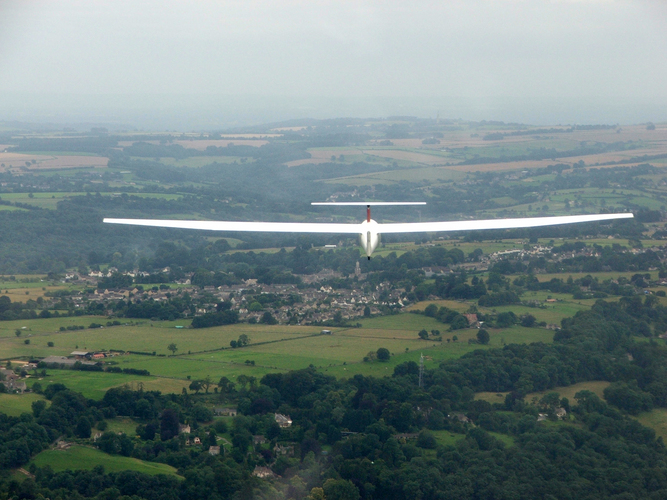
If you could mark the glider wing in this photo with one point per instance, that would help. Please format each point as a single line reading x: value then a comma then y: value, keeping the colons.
x: 475, y: 225
x: 261, y: 227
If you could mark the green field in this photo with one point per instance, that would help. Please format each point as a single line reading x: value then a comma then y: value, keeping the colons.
x: 122, y: 424
x: 50, y: 200
x: 206, y: 352
x: 656, y: 419
x: 273, y: 348
x: 202, y: 161
x: 94, y: 384
x: 11, y: 208
x: 15, y: 404
x: 82, y: 457
x: 594, y: 386
x: 448, y: 438
x: 432, y: 175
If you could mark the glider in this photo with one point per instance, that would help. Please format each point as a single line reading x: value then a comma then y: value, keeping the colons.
x: 369, y: 231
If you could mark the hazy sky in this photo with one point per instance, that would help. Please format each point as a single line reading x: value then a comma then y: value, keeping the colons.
x: 255, y: 60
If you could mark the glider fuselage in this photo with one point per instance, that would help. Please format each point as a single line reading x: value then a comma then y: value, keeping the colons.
x: 369, y: 237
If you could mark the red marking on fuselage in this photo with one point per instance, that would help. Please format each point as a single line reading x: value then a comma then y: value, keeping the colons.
x: 368, y: 213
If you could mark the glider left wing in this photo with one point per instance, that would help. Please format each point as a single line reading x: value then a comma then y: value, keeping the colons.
x: 261, y: 227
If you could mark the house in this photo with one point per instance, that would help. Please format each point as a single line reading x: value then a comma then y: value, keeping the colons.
x: 62, y: 445
x: 406, y: 436
x: 460, y: 417
x: 225, y: 412
x: 560, y: 412
x: 258, y: 440
x: 473, y: 322
x: 183, y: 429
x: 263, y: 472
x: 286, y: 450
x: 283, y: 420
x: 197, y: 440
x: 18, y: 386
x: 80, y: 354
x: 214, y: 450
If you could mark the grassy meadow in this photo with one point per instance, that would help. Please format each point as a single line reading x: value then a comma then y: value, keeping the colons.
x: 273, y: 348
x: 596, y: 386
x: 15, y: 404
x: 84, y: 458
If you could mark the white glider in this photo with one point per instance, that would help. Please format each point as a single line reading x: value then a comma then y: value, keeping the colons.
x: 369, y: 231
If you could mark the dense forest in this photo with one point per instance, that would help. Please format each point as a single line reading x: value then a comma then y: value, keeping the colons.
x: 349, y: 436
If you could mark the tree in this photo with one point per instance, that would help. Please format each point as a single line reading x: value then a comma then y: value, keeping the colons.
x: 431, y: 311
x: 268, y: 319
x: 225, y: 386
x: 483, y: 336
x: 550, y: 401
x: 196, y: 386
x: 38, y: 407
x: 426, y: 440
x: 168, y: 424
x: 367, y: 312
x: 244, y: 339
x: 506, y: 319
x: 17, y: 332
x: 206, y: 383
x: 172, y: 347
x: 340, y: 489
x: 316, y: 494
x: 528, y: 320
x: 383, y: 354
x: 83, y: 428
x: 423, y: 334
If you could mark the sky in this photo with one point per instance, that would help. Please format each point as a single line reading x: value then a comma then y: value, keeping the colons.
x: 207, y: 64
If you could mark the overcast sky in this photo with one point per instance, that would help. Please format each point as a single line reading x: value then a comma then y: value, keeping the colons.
x: 258, y: 60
